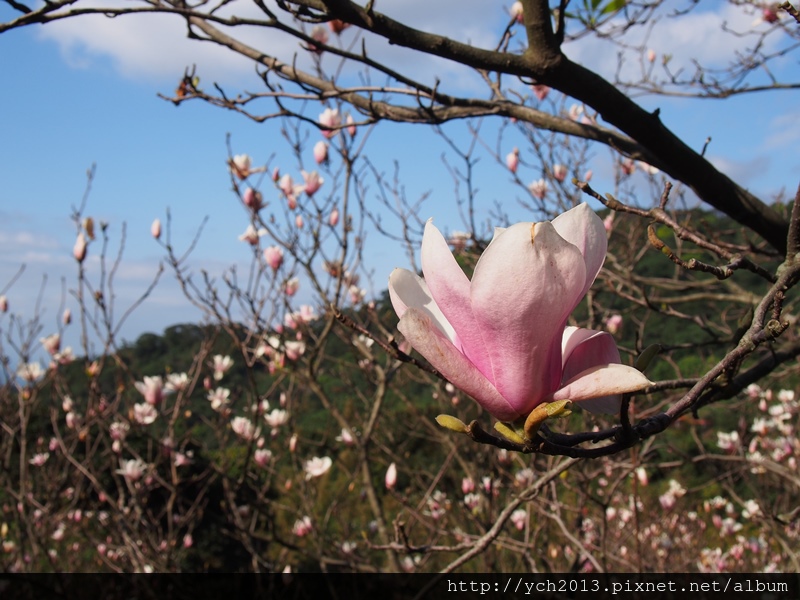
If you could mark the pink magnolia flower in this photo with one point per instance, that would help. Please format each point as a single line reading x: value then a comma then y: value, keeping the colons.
x: 291, y: 287
x: 391, y: 477
x: 313, y: 182
x: 144, y: 413
x: 302, y: 527
x: 337, y: 26
x: 251, y: 235
x: 299, y: 222
x: 559, y: 172
x: 538, y: 188
x: 351, y: 125
x: 321, y: 152
x: 317, y: 467
x: 274, y: 257
x: 628, y: 166
x: 219, y: 399
x: 240, y: 166
x: 320, y: 36
x: 294, y: 349
x: 51, y: 343
x: 133, y: 469
x: 641, y: 475
x: 614, y: 322
x: 651, y: 55
x: 333, y: 219
x: 512, y: 160
x: 155, y: 229
x: 516, y: 11
x: 244, y: 428
x: 39, y: 459
x: 286, y: 185
x: 502, y: 337
x: 346, y: 438
x: 221, y: 365
x: 3, y: 304
x: 262, y: 456
x: 467, y: 485
x: 330, y: 120
x: 152, y: 388
x: 253, y: 199
x: 276, y: 418
x: 770, y: 14
x: 540, y: 91
x: 518, y: 518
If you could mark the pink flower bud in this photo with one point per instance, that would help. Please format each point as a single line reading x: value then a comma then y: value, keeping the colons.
x: 540, y: 91
x: 641, y: 475
x: 66, y: 318
x: 651, y: 55
x: 330, y: 121
x: 516, y: 12
x: 3, y: 304
x: 321, y: 152
x: 276, y: 174
x: 351, y: 126
x: 155, y: 229
x: 613, y: 323
x: 274, y: 257
x: 391, y: 476
x: 252, y: 199
x: 79, y: 250
x: 333, y: 220
x: 769, y: 14
x: 298, y: 221
x: 628, y: 166
x: 290, y: 289
x: 467, y: 485
x: 240, y: 165
x: 559, y: 172
x: 337, y: 26
x: 512, y: 160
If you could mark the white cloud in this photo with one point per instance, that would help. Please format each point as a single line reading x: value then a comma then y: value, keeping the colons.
x: 784, y: 133
x: 699, y: 35
x: 155, y: 46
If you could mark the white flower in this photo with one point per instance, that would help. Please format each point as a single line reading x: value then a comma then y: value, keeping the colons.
x: 219, y: 398
x: 133, y: 469
x: 30, y: 372
x: 317, y: 467
x: 276, y: 418
x: 177, y: 382
x: 221, y: 365
x: 39, y: 459
x: 144, y: 413
x: 244, y: 428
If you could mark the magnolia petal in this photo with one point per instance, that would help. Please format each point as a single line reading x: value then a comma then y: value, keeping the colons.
x: 409, y: 290
x: 582, y: 349
x: 525, y: 285
x: 582, y: 227
x: 450, y: 288
x: 430, y: 342
x: 599, y: 381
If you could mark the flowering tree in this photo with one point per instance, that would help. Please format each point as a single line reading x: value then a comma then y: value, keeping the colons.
x: 301, y: 435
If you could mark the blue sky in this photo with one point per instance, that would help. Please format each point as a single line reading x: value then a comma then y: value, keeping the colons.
x: 83, y: 93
